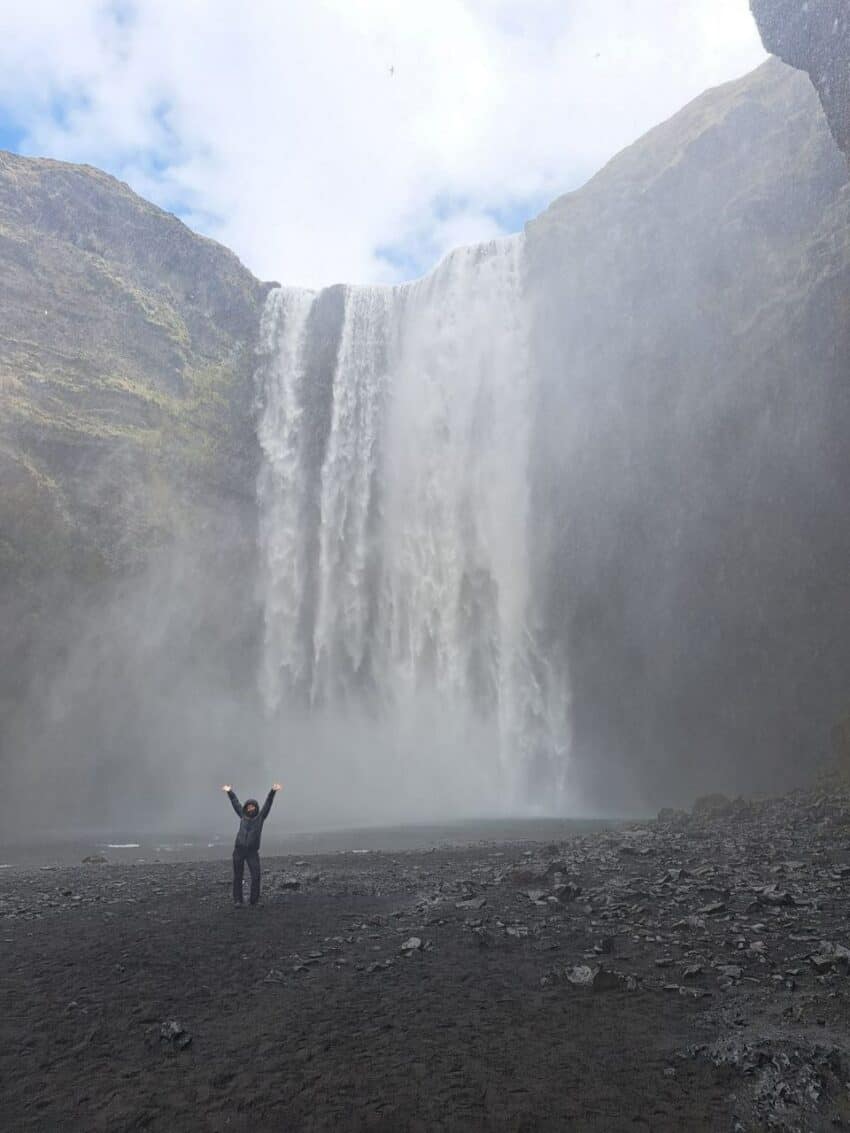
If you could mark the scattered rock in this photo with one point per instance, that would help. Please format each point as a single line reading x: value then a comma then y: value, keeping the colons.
x: 472, y: 903
x: 605, y: 980
x: 174, y: 1032
x: 378, y: 966
x: 713, y: 908
x: 566, y: 892
x: 770, y: 895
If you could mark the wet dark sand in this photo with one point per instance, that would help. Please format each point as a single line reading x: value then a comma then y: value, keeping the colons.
x: 304, y: 1013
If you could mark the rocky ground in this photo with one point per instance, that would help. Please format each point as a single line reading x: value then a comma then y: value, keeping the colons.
x: 691, y: 973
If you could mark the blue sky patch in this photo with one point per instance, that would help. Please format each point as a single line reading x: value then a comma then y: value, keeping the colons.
x: 11, y: 135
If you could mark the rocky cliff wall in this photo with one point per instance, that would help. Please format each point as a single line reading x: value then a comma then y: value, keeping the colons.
x: 127, y: 446
x: 692, y: 468
x: 813, y: 35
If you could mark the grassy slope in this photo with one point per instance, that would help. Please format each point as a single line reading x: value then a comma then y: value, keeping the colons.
x: 125, y: 358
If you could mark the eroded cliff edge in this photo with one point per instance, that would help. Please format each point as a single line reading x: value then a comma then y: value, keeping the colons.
x: 814, y: 36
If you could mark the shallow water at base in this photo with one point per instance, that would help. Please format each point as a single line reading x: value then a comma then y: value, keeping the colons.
x: 127, y: 847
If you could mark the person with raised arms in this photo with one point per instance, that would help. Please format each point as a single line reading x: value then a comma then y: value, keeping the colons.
x: 247, y: 846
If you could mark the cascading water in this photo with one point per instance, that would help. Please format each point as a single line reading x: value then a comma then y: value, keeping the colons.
x: 395, y: 425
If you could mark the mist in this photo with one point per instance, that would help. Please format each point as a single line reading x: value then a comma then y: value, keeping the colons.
x: 556, y: 529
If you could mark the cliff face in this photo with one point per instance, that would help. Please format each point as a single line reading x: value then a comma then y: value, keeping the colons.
x: 126, y: 428
x: 693, y: 304
x: 813, y: 35
x: 125, y: 353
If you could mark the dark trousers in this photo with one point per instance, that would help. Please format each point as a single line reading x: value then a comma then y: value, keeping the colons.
x: 240, y: 856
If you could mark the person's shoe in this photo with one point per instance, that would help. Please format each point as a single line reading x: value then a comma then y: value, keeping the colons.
x: 238, y: 905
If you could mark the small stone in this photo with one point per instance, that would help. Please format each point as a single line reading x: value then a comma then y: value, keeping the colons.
x: 472, y: 903
x: 713, y: 908
x: 605, y: 980
x: 772, y: 896
x: 821, y: 963
x: 694, y: 992
x: 412, y: 944
x: 566, y: 892
x: 580, y: 975
x: 174, y: 1032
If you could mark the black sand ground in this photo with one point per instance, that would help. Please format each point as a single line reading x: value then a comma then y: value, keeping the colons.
x: 304, y: 1013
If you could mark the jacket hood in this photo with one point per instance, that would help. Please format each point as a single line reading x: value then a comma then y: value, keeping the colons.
x: 250, y: 802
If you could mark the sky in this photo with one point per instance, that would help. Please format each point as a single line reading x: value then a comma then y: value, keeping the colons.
x: 355, y: 140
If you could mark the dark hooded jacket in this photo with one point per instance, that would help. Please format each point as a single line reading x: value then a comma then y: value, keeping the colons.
x: 250, y: 829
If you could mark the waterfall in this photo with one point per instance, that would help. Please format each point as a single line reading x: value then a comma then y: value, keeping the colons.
x: 396, y: 532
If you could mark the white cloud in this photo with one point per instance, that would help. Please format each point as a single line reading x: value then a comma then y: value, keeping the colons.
x: 277, y: 126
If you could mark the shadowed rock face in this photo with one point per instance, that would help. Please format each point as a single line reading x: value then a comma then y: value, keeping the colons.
x: 814, y: 36
x: 693, y: 307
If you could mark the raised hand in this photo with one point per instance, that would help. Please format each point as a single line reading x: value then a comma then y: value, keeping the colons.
x: 276, y: 786
x: 226, y: 787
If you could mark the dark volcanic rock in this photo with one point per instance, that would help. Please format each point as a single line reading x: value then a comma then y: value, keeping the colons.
x: 813, y: 35
x: 757, y: 993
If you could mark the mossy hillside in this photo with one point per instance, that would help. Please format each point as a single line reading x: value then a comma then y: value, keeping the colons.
x: 125, y: 366
x: 126, y: 431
